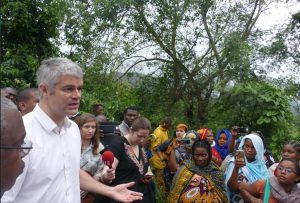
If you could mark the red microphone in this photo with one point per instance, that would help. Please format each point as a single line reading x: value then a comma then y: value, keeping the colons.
x: 108, y: 158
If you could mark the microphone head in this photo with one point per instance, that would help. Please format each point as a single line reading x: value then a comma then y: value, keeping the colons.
x: 108, y: 158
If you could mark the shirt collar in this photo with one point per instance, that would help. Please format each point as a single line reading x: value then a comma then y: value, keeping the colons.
x: 162, y: 128
x: 47, y: 123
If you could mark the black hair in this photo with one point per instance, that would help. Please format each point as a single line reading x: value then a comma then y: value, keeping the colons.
x: 26, y: 94
x: 167, y: 120
x: 95, y: 106
x: 133, y: 108
x: 203, y: 144
x: 295, y: 144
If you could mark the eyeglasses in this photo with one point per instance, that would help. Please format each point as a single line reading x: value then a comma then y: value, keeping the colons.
x: 24, y: 149
x: 287, y: 170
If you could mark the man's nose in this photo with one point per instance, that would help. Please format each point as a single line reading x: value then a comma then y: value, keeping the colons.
x: 77, y: 93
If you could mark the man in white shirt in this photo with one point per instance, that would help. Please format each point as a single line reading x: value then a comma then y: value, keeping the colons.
x: 52, y: 168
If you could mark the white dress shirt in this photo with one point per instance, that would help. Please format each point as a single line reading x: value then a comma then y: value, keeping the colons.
x: 51, y: 172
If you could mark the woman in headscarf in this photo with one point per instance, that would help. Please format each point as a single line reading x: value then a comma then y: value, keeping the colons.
x: 222, y: 142
x: 206, y: 134
x: 199, y: 180
x: 248, y: 169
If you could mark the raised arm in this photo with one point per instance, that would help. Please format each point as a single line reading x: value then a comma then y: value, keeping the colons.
x: 234, y: 135
x: 233, y: 180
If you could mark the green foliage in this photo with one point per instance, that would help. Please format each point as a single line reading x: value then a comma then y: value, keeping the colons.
x: 282, y: 49
x: 259, y: 106
x: 237, y: 51
x: 103, y: 88
x: 192, y: 45
x: 29, y: 29
x: 160, y: 196
x: 151, y: 91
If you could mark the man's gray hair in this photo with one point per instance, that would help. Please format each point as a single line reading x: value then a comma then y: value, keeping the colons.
x: 6, y: 105
x: 52, y: 69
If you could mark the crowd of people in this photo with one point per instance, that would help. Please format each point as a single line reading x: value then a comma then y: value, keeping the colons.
x: 52, y: 153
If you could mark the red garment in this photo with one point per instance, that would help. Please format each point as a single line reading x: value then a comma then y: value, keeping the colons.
x: 260, y: 188
x: 215, y: 153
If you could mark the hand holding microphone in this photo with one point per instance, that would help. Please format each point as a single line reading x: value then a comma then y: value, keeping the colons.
x: 109, y: 173
x: 108, y: 158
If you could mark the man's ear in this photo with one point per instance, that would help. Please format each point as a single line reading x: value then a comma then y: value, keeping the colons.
x: 43, y: 88
x: 22, y: 106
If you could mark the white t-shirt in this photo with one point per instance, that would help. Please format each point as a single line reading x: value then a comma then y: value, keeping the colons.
x: 51, y: 172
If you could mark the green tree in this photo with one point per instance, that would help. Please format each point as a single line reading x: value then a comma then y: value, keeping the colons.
x: 197, y: 46
x: 102, y: 87
x: 28, y: 35
x: 259, y: 106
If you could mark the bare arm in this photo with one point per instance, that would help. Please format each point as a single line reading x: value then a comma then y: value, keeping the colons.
x: 233, y: 180
x: 249, y: 198
x: 119, y: 192
x: 250, y: 192
x: 172, y: 164
x: 232, y: 139
x: 172, y: 161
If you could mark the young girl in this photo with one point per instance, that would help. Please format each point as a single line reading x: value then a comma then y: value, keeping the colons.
x: 281, y: 188
x: 222, y: 142
x: 291, y: 150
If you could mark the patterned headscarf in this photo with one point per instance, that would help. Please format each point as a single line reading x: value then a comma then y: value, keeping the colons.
x: 223, y: 150
x: 203, y: 132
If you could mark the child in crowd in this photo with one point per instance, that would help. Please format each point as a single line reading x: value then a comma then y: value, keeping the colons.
x: 291, y: 150
x: 222, y: 142
x: 281, y: 188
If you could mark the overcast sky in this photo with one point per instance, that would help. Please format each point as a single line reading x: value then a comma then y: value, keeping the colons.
x: 278, y: 13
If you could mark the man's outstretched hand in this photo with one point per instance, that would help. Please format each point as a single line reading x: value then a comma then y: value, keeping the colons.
x: 122, y: 194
